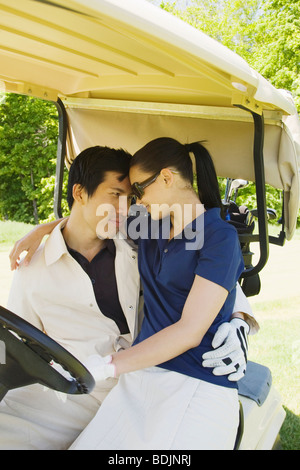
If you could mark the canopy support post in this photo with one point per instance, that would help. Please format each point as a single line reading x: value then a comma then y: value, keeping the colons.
x: 260, y: 192
x: 259, y: 170
x: 61, y: 153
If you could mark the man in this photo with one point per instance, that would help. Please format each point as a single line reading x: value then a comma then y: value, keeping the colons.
x: 81, y: 288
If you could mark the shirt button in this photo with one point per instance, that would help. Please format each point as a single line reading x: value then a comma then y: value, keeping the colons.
x: 130, y: 307
x: 91, y: 305
x: 133, y: 256
x: 166, y: 250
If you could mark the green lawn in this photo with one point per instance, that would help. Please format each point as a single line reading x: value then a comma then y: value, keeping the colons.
x: 277, y: 346
x: 11, y: 232
x: 277, y: 308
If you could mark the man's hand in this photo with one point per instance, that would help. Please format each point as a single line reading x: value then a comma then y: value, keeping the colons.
x: 100, y: 367
x: 229, y: 355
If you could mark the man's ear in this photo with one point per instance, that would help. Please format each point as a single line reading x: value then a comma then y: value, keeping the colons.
x: 79, y: 193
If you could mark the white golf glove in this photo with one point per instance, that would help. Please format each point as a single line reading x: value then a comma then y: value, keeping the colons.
x: 230, y: 345
x: 100, y: 367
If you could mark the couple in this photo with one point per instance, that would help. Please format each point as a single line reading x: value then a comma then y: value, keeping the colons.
x: 165, y: 398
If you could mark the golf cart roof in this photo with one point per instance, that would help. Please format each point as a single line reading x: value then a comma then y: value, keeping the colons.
x: 127, y: 72
x: 126, y: 50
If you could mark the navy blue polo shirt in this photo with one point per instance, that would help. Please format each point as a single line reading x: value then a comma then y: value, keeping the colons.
x: 167, y: 270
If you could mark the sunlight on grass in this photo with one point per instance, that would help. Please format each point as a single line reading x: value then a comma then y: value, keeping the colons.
x: 10, y: 232
x: 277, y: 346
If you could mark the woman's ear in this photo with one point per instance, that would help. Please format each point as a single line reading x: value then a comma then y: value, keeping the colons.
x: 167, y: 176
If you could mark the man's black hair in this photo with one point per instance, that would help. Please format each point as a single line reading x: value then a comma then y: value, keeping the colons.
x: 91, y: 165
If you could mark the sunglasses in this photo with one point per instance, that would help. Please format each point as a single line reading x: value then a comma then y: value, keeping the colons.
x: 138, y: 188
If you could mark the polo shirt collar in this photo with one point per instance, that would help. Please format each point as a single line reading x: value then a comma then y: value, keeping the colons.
x: 191, y: 230
x: 108, y: 245
x: 55, y: 246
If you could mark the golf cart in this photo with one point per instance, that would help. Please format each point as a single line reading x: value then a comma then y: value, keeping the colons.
x: 121, y: 74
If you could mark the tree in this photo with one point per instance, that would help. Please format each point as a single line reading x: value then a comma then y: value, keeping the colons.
x: 276, y: 48
x: 230, y: 22
x: 28, y: 142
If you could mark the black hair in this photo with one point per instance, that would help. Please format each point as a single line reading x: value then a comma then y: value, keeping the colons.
x: 90, y: 167
x: 166, y: 152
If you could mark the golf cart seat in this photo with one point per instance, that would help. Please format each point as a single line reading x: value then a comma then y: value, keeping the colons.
x: 260, y: 407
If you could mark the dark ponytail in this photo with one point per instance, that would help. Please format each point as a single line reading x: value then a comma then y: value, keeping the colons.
x: 207, y: 181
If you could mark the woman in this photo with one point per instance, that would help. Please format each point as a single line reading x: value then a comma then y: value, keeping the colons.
x: 165, y: 398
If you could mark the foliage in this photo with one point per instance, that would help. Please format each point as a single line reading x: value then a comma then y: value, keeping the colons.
x: 47, y: 193
x: 276, y: 49
x: 28, y: 142
x: 230, y: 22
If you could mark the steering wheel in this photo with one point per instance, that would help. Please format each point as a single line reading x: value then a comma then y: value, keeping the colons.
x: 30, y: 356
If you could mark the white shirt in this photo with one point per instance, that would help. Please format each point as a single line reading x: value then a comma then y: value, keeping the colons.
x: 56, y: 295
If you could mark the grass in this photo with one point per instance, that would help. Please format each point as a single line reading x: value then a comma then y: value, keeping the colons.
x: 277, y: 308
x: 277, y: 346
x: 11, y: 232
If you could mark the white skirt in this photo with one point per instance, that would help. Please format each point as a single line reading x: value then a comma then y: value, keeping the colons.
x: 158, y: 409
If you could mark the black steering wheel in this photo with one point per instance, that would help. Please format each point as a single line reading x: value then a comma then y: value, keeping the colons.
x: 29, y: 356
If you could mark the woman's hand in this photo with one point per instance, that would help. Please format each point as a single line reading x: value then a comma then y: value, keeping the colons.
x: 30, y: 243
